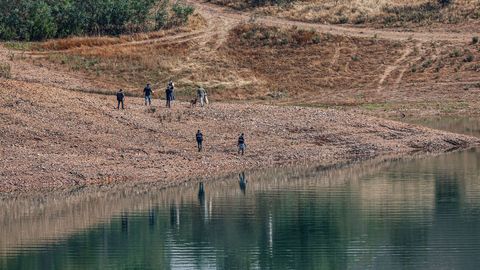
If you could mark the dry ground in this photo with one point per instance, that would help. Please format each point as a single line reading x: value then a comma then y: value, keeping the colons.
x: 277, y: 61
x: 54, y: 138
x: 57, y: 133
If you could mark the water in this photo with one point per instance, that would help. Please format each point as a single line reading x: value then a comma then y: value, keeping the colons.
x: 418, y: 213
x: 465, y: 125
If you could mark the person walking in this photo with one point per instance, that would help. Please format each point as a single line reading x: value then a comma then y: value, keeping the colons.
x: 241, y: 144
x: 120, y: 99
x: 201, y: 94
x: 147, y: 91
x: 199, y: 138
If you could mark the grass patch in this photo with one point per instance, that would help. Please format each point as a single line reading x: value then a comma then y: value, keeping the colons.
x: 5, y: 70
x: 18, y: 45
x: 375, y: 106
x: 257, y: 35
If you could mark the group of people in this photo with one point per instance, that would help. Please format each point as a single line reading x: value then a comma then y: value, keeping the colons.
x: 170, y: 97
x: 169, y: 94
x: 240, y: 143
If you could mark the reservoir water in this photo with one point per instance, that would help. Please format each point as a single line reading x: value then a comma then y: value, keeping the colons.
x: 412, y: 213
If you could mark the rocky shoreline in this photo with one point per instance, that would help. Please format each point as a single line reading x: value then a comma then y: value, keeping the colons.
x: 55, y: 139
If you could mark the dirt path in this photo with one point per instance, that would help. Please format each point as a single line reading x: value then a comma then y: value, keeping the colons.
x: 390, y: 68
x: 210, y: 10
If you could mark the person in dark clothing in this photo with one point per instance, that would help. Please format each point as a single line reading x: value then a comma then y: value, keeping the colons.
x: 147, y: 91
x: 241, y: 144
x: 199, y: 138
x: 169, y: 96
x: 242, y: 182
x: 120, y: 99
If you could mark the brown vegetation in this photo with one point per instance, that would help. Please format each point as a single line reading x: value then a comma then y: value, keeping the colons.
x: 284, y: 65
x: 382, y: 13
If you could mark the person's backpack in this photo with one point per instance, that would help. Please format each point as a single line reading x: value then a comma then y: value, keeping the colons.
x: 199, y: 137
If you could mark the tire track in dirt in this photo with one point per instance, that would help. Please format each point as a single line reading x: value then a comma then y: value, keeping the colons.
x: 208, y: 10
x: 389, y: 69
x: 418, y: 47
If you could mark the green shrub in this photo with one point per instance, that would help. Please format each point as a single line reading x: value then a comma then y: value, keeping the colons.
x: 427, y: 63
x: 182, y: 11
x: 455, y: 53
x: 42, y: 19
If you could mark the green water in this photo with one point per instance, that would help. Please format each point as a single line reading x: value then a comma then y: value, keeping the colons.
x: 418, y: 213
x: 464, y: 125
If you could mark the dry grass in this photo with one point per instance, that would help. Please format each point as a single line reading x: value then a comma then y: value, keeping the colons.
x: 381, y: 13
x: 443, y: 62
x: 102, y: 41
x: 282, y: 65
x: 297, y: 64
x: 5, y: 70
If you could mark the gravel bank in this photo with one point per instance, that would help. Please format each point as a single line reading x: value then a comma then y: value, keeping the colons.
x: 54, y: 138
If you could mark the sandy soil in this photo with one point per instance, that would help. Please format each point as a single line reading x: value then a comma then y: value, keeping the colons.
x: 54, y: 138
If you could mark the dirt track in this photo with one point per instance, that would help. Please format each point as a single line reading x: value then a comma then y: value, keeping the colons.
x: 213, y: 11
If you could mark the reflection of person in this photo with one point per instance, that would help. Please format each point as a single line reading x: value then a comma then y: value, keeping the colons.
x: 151, y: 218
x: 124, y: 222
x: 242, y: 182
x: 201, y: 193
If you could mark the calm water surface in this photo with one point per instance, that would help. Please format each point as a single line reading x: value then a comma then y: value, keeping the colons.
x: 407, y: 214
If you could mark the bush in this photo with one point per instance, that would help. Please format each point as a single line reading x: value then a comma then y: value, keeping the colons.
x: 474, y: 40
x: 182, y: 11
x: 38, y: 20
x: 468, y: 58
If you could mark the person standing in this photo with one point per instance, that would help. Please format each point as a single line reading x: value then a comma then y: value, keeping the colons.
x: 201, y: 94
x: 171, y: 85
x: 168, y: 96
x: 241, y: 144
x: 120, y: 99
x: 199, y: 138
x: 147, y: 91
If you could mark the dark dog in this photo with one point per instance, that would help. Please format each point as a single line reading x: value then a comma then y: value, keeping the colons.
x: 193, y: 102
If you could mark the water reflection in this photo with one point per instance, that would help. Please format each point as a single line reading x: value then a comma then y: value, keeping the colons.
x: 464, y: 125
x: 242, y: 182
x: 380, y: 214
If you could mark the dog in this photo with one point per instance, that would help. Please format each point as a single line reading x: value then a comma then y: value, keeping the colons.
x: 193, y: 102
